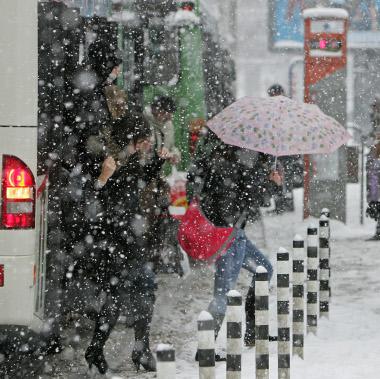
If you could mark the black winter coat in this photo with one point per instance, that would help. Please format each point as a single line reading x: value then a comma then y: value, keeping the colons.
x: 228, y: 180
x: 123, y: 222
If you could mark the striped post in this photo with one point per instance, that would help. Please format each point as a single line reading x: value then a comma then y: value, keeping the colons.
x: 165, y: 362
x: 324, y: 267
x: 312, y: 279
x: 234, y: 333
x: 326, y: 212
x: 283, y: 341
x: 298, y: 295
x: 206, y: 346
x: 262, y: 323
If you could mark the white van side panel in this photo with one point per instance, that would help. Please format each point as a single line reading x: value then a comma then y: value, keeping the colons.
x: 17, y: 295
x: 19, y: 62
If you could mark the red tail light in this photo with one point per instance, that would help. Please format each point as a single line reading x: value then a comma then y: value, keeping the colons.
x: 18, y: 194
x: 1, y: 275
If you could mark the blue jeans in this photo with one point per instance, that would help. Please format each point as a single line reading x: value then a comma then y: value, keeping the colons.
x: 242, y: 253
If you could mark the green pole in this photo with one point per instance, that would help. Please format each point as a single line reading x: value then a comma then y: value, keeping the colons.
x: 190, y: 89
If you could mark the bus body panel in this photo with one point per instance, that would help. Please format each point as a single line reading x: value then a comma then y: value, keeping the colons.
x: 18, y: 63
x: 21, y: 250
x: 17, y: 294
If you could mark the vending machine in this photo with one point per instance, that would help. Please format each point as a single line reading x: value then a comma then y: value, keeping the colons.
x: 325, y: 49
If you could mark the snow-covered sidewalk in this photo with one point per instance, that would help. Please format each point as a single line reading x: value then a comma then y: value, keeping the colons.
x: 346, y: 346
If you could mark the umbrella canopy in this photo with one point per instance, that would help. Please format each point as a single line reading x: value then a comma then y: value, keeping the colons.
x: 278, y: 126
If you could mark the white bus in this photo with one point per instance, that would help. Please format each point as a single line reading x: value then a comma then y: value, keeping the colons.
x: 23, y: 193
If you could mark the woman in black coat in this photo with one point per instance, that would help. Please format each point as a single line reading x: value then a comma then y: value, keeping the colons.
x: 125, y: 257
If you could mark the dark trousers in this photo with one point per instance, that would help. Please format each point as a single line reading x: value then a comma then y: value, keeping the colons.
x: 137, y: 281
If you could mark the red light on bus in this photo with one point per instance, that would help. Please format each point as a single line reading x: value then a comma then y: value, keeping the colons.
x: 17, y: 195
x: 1, y: 275
x: 322, y: 44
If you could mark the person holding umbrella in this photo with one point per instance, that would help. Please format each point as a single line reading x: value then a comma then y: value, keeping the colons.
x: 233, y: 181
x: 229, y: 178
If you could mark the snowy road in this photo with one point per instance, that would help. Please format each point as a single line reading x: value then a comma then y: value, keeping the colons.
x: 347, y: 345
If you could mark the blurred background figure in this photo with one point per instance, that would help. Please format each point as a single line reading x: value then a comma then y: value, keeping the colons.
x: 373, y: 185
x: 156, y: 196
x: 283, y: 199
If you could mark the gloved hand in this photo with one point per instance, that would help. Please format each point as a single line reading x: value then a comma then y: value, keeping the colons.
x: 373, y: 210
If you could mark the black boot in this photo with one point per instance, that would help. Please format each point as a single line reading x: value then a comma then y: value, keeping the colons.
x: 249, y: 336
x: 105, y: 322
x: 141, y: 354
x: 94, y: 356
x: 143, y: 357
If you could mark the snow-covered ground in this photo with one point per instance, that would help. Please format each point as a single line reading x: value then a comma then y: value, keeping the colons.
x: 346, y: 346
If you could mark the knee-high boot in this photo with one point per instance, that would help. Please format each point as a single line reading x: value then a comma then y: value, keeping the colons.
x: 104, y: 324
x: 141, y: 354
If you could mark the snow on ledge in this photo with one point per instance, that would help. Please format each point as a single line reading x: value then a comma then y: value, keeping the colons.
x: 282, y: 250
x: 205, y: 316
x: 182, y: 18
x: 325, y: 13
x: 164, y: 347
x: 233, y: 293
x: 261, y: 270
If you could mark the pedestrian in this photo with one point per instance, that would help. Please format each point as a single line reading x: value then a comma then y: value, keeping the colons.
x: 156, y: 196
x: 160, y: 117
x: 126, y: 257
x: 81, y: 150
x: 283, y: 199
x: 229, y: 182
x: 373, y: 185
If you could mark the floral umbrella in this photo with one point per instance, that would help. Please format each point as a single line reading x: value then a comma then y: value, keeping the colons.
x: 278, y: 126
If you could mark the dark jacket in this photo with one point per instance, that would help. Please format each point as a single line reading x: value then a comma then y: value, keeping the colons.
x: 83, y: 148
x: 228, y: 181
x: 124, y: 222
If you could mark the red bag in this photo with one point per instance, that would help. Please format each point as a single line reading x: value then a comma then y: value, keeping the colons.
x: 200, y: 238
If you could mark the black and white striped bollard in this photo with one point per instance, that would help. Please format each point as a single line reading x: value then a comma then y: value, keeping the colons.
x: 283, y: 322
x: 312, y: 279
x: 165, y: 362
x: 206, y: 346
x: 298, y: 295
x: 324, y: 267
x: 234, y: 334
x: 262, y: 323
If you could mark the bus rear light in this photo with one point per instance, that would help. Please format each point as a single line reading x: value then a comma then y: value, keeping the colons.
x: 18, y: 195
x: 1, y: 275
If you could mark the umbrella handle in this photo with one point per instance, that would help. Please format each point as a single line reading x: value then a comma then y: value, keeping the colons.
x: 275, y: 164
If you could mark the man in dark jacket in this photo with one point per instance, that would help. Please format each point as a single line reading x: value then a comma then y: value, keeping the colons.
x: 230, y: 181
